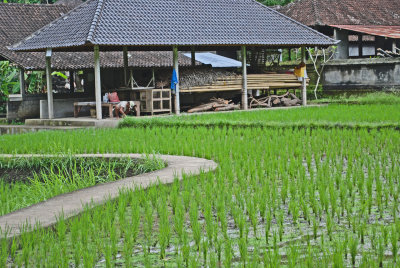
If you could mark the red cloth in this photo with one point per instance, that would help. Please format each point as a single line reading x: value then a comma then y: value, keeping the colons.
x: 113, y: 97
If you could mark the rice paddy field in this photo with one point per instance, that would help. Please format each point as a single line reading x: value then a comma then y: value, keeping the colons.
x: 332, y: 116
x: 295, y: 196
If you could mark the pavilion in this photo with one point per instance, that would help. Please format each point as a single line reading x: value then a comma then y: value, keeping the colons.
x: 153, y: 25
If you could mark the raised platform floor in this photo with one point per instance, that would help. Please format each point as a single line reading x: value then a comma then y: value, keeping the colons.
x: 74, y: 122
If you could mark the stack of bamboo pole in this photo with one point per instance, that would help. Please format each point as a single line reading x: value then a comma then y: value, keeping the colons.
x: 254, y: 82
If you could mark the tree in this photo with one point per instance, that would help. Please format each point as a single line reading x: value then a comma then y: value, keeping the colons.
x: 320, y: 57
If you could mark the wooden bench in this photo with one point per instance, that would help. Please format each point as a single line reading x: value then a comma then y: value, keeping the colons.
x: 111, y: 105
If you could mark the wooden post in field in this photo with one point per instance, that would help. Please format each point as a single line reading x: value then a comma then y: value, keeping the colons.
x: 244, y: 79
x: 49, y: 82
x: 193, y: 57
x: 97, y: 82
x: 176, y: 68
x: 304, y: 79
x: 125, y: 52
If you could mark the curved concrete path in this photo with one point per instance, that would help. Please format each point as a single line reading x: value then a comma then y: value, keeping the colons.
x: 71, y: 204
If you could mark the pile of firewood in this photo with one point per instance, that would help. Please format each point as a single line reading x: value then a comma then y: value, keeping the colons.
x: 288, y: 99
x: 216, y: 105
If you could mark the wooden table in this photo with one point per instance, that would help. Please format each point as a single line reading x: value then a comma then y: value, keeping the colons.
x: 111, y: 105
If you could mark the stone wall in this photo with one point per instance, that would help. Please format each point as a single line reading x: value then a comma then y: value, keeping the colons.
x: 380, y: 74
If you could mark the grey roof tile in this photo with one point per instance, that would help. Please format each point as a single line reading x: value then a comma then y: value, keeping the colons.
x: 172, y: 22
x: 20, y: 20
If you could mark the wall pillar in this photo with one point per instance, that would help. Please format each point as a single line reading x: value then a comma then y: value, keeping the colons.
x: 97, y: 82
x: 304, y: 79
x: 343, y: 47
x: 244, y: 79
x: 22, y: 83
x: 176, y: 68
x: 49, y: 82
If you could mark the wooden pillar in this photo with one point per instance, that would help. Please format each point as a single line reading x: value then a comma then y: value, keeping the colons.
x: 71, y: 82
x: 244, y: 79
x: 154, y: 78
x: 394, y: 46
x: 290, y: 54
x: 125, y: 52
x: 193, y: 57
x: 49, y: 82
x: 303, y: 81
x: 176, y: 68
x: 97, y: 81
x: 360, y: 45
x: 22, y: 83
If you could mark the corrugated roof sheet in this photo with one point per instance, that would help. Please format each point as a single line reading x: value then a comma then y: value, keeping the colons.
x: 172, y: 22
x: 20, y: 20
x: 344, y: 12
x: 216, y: 61
x: 385, y: 31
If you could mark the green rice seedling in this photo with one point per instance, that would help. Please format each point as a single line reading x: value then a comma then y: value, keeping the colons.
x: 196, y: 228
x: 209, y: 221
x: 164, y: 227
x: 185, y: 249
x: 148, y: 210
x: 108, y: 255
x: 179, y: 219
x: 228, y: 253
x: 113, y: 240
x: 394, y: 239
x: 3, y: 252
x: 252, y: 211
x: 127, y: 249
x: 381, y: 251
x: 329, y: 226
x: 205, y: 246
x: 243, y: 250
x: 146, y: 256
x: 213, y: 260
x: 353, y: 247
x: 292, y: 255
x: 267, y: 225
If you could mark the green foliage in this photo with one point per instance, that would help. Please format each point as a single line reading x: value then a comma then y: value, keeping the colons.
x: 275, y: 2
x: 8, y: 80
x: 26, y: 181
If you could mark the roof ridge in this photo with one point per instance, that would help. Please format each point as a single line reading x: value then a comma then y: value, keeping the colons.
x: 29, y: 4
x: 298, y: 23
x: 96, y: 17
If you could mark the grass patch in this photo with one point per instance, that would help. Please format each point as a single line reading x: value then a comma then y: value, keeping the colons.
x: 27, y: 181
x: 386, y: 98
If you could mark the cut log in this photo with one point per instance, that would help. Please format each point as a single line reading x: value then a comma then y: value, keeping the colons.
x: 228, y: 107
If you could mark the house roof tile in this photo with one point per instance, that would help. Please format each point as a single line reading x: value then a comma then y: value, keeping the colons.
x: 344, y: 12
x: 145, y: 23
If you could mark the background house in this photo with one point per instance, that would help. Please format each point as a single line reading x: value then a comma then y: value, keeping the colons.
x: 362, y: 26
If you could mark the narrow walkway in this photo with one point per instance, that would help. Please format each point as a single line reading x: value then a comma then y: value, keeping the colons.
x: 71, y: 204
